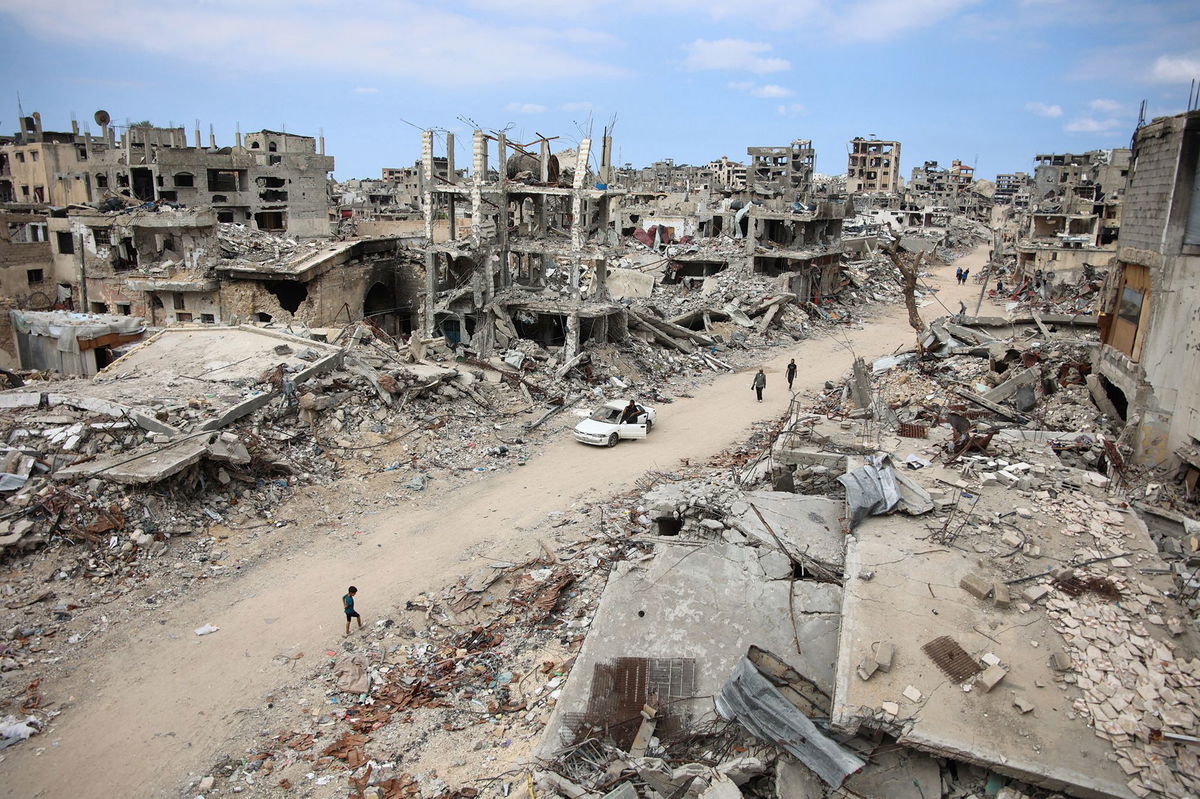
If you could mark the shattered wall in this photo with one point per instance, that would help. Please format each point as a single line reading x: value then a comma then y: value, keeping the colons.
x: 1150, y: 322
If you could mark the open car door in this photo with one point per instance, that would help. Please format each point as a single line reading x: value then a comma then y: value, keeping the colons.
x: 633, y: 430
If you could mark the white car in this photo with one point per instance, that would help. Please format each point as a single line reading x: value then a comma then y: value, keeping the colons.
x: 604, y: 429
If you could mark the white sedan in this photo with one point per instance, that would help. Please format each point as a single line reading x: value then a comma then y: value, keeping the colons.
x: 604, y: 427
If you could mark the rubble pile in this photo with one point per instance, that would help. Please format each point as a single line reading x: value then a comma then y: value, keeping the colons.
x: 245, y: 244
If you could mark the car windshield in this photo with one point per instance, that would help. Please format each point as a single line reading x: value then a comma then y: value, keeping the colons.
x: 606, y: 415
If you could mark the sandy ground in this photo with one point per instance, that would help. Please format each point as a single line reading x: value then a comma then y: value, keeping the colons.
x: 156, y: 704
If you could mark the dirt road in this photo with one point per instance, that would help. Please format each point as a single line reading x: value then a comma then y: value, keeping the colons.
x: 159, y: 703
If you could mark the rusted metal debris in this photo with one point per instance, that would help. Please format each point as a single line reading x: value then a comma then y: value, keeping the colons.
x: 952, y: 659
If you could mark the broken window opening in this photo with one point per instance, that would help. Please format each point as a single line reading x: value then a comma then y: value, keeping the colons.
x: 65, y: 242
x: 185, y: 180
x: 35, y: 276
x: 290, y: 294
x: 101, y: 180
x: 273, y: 196
x: 262, y: 316
x: 271, y: 220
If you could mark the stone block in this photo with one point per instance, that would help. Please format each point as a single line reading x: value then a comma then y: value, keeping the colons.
x: 884, y: 653
x: 1035, y: 592
x: 1001, y: 595
x: 975, y: 585
x: 991, y: 675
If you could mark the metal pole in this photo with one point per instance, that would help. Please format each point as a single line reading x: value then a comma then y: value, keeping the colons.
x: 987, y: 277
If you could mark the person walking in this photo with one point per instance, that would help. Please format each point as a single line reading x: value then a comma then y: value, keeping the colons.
x: 760, y: 382
x: 958, y: 274
x: 791, y: 373
x: 965, y: 273
x: 348, y: 606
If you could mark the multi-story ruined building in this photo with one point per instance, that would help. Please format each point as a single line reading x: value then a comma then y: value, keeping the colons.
x: 1149, y: 325
x: 177, y: 266
x: 1008, y: 185
x: 532, y: 261
x: 874, y: 166
x: 726, y: 175
x: 270, y: 180
x: 785, y: 172
x: 1074, y: 214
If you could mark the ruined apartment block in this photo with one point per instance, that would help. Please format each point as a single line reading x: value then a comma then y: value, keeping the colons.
x: 785, y: 172
x: 183, y: 266
x: 1148, y: 321
x: 1075, y: 216
x: 531, y: 262
x: 269, y: 180
x: 874, y: 166
x: 1009, y: 185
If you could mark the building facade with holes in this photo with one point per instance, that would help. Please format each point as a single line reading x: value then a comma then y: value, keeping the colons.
x: 1150, y: 311
x: 268, y: 180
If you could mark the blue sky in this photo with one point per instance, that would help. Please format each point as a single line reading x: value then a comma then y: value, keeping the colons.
x: 991, y: 83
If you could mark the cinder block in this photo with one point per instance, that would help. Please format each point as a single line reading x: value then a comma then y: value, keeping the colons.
x: 992, y: 675
x: 975, y: 585
x: 1000, y: 595
x: 883, y: 656
x: 1035, y: 592
x: 1060, y: 661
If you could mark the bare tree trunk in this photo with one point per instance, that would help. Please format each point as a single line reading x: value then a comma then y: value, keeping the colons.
x: 908, y: 285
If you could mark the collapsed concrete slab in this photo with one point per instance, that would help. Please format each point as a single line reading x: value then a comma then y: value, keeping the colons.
x: 677, y: 627
x: 901, y: 589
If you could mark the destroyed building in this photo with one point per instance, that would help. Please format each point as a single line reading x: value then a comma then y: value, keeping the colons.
x: 874, y: 166
x: 1150, y: 308
x: 180, y: 265
x: 784, y: 172
x: 1008, y: 185
x: 941, y: 187
x: 532, y: 263
x: 268, y: 179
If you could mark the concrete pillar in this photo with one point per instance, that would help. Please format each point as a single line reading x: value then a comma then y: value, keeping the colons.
x: 75, y: 127
x: 479, y: 175
x: 605, y: 161
x: 571, y: 345
x: 237, y: 138
x: 578, y: 223
x: 427, y: 179
x: 37, y: 124
x: 544, y: 159
x: 585, y: 153
x: 322, y: 141
x: 212, y: 138
x: 451, y: 171
x: 430, y: 291
x: 502, y: 155
x: 197, y: 136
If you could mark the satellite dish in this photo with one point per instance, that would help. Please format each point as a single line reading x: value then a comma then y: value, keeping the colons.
x: 102, y: 117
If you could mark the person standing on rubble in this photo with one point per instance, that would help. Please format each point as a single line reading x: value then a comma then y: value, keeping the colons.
x: 348, y: 606
x: 760, y: 382
x: 791, y: 373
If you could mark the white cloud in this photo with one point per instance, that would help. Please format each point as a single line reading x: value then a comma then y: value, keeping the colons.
x: 880, y: 20
x: 581, y: 105
x: 525, y: 108
x: 1091, y: 125
x: 733, y: 54
x: 771, y: 91
x: 366, y: 90
x: 404, y: 39
x: 1175, y: 68
x: 1043, y: 110
x: 1105, y: 106
x: 791, y: 110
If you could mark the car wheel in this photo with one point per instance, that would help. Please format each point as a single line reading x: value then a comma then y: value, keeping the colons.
x: 612, y: 440
x: 649, y: 425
